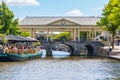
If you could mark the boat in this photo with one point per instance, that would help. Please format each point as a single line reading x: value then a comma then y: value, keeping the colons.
x: 19, y: 57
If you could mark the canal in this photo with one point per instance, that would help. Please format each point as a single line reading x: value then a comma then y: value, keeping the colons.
x: 64, y: 68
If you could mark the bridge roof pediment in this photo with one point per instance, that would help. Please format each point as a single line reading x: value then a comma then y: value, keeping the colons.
x: 63, y: 22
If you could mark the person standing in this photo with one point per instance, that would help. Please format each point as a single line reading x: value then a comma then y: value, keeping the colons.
x: 118, y: 42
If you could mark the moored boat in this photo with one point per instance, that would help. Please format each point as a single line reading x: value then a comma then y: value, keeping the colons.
x: 19, y: 48
x: 19, y: 57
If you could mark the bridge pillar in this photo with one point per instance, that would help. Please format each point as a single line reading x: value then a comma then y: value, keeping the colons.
x: 74, y: 34
x: 47, y: 34
x: 32, y: 33
x: 87, y: 35
x: 78, y: 35
x: 90, y: 35
x: 48, y: 50
x: 95, y: 34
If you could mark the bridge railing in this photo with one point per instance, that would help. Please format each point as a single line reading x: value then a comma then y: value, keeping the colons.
x: 76, y: 42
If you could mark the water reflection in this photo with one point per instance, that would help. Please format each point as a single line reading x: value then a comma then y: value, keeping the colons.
x: 70, y: 68
x: 56, y: 54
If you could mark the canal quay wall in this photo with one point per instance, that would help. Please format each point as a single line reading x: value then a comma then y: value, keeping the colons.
x: 102, y: 52
x: 115, y: 53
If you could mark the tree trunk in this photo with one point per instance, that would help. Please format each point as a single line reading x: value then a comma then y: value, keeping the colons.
x: 113, y: 41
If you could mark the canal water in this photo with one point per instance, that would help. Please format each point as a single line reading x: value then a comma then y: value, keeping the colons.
x: 61, y: 68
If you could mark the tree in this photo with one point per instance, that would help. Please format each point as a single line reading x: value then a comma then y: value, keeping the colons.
x: 25, y: 34
x: 3, y: 38
x: 83, y: 34
x: 8, y: 25
x: 62, y: 36
x: 110, y: 19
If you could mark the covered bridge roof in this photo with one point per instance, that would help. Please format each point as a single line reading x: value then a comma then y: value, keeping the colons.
x: 47, y: 20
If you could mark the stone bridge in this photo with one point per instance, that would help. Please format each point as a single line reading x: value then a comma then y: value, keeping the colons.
x: 76, y: 48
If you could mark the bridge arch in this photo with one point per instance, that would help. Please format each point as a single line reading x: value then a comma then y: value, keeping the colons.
x: 90, y: 50
x: 71, y: 48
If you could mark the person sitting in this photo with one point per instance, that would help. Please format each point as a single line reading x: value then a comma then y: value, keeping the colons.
x: 34, y: 50
x: 18, y: 50
x: 27, y: 49
x: 38, y: 49
x: 10, y: 49
x: 15, y: 49
x: 31, y: 50
x: 22, y: 50
x: 6, y: 49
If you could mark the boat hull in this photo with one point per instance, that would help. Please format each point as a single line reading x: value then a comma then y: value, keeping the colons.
x: 19, y: 57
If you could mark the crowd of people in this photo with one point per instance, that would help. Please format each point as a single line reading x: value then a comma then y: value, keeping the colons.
x: 21, y: 49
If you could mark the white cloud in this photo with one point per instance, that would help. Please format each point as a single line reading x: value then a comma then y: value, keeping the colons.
x: 22, y: 2
x: 97, y: 9
x: 75, y: 12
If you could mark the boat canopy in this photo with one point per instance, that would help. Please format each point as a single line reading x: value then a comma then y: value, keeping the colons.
x: 20, y: 39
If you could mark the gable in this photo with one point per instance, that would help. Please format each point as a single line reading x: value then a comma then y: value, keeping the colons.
x: 62, y: 22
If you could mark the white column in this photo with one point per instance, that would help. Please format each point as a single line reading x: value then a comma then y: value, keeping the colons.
x: 90, y: 35
x: 78, y: 35
x: 51, y: 35
x: 47, y: 34
x: 34, y: 34
x: 31, y: 32
x: 95, y: 34
x: 87, y: 35
x: 74, y: 34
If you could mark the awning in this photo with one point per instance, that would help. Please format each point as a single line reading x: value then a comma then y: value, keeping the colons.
x: 20, y: 38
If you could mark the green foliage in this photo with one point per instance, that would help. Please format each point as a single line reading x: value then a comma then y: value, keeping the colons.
x: 62, y: 36
x: 3, y: 38
x: 8, y: 25
x: 25, y: 34
x: 36, y: 43
x: 83, y: 34
x: 110, y: 20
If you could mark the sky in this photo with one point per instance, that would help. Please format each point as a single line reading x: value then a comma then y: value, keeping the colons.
x: 23, y: 8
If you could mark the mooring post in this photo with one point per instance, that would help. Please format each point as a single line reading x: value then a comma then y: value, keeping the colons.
x: 48, y: 50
